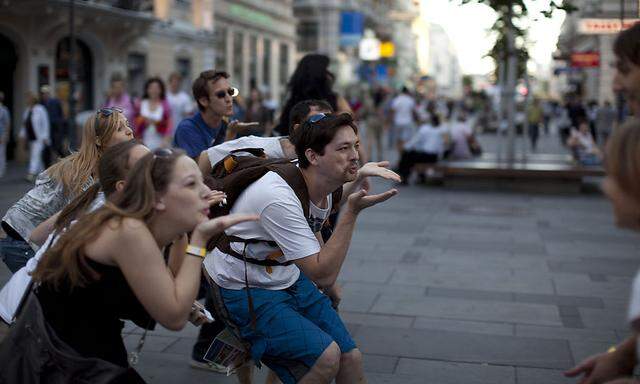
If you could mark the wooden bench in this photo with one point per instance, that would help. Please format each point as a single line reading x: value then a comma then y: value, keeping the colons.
x: 540, y: 170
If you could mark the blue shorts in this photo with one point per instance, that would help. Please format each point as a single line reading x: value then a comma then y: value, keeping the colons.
x: 293, y: 326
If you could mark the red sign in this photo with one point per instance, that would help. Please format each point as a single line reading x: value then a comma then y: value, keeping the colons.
x: 585, y: 60
x: 603, y: 26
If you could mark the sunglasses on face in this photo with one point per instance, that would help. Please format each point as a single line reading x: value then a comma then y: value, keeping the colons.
x: 232, y: 91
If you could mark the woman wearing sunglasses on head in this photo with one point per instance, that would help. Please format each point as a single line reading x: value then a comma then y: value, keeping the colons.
x: 59, y: 184
x: 110, y: 264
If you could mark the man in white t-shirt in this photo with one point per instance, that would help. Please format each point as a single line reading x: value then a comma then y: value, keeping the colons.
x: 182, y: 105
x: 290, y: 324
x: 403, y: 107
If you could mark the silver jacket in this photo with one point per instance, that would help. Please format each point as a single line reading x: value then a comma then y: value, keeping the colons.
x: 40, y: 203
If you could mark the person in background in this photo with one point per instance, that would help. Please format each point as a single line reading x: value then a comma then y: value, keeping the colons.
x: 460, y: 132
x: 605, y: 120
x: 56, y: 120
x: 257, y: 112
x: 403, y: 107
x: 214, y: 96
x: 153, y: 123
x: 583, y: 146
x: 5, y: 131
x: 36, y: 130
x: 534, y: 119
x: 180, y: 103
x: 311, y: 80
x: 427, y: 146
x: 119, y: 98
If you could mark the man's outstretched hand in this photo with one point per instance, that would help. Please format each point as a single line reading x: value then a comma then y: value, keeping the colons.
x: 378, y: 169
x: 360, y: 200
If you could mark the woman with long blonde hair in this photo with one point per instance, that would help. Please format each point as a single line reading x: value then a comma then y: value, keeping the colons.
x: 109, y: 266
x: 59, y: 184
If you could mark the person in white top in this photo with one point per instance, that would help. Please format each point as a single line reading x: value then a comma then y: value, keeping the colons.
x: 293, y: 320
x: 274, y: 147
x: 154, y: 116
x: 622, y: 187
x: 404, y: 126
x: 36, y: 130
x: 583, y: 146
x: 427, y: 146
x: 182, y: 105
x: 461, y: 132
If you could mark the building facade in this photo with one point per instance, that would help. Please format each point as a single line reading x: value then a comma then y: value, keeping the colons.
x: 320, y: 30
x: 256, y: 43
x: 252, y: 40
x: 593, y: 82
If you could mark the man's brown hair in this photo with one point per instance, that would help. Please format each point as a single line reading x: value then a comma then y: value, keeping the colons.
x: 200, y: 86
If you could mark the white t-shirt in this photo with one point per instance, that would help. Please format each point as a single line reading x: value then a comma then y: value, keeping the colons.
x: 460, y: 131
x: 402, y: 106
x: 181, y: 107
x: 428, y: 139
x: 151, y: 138
x: 271, y: 145
x: 281, y: 220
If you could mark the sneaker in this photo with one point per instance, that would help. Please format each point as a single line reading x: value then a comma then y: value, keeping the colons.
x: 208, y: 366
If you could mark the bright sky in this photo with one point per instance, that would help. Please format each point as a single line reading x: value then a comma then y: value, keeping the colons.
x: 467, y: 27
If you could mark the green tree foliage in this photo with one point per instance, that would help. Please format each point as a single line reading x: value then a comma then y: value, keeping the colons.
x: 511, y: 12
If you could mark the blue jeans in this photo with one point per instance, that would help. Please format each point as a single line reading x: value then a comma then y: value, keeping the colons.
x: 15, y: 253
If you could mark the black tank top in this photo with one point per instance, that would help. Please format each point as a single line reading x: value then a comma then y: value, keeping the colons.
x: 89, y: 319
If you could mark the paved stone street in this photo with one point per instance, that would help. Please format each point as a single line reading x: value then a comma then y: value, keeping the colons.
x: 452, y: 286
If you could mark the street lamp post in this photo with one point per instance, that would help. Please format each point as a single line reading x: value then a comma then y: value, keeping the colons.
x: 72, y: 76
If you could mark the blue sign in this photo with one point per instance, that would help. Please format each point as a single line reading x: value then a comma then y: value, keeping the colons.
x: 351, y: 28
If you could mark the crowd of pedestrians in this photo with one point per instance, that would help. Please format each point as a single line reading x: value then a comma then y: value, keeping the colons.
x: 205, y: 206
x: 102, y: 218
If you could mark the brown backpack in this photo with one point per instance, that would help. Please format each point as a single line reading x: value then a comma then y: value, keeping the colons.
x: 235, y: 173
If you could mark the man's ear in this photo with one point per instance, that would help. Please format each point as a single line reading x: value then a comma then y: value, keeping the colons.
x: 312, y: 156
x: 120, y: 186
x: 204, y: 102
x: 295, y: 127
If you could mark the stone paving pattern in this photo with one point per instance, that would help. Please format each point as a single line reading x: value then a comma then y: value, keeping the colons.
x: 458, y: 286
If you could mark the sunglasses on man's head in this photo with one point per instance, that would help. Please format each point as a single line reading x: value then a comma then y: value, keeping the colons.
x: 232, y: 91
x: 317, y: 117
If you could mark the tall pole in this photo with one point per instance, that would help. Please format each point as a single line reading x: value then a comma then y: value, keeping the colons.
x: 72, y: 76
x: 511, y: 86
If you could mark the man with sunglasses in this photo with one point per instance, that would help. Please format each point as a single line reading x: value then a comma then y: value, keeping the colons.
x: 214, y: 95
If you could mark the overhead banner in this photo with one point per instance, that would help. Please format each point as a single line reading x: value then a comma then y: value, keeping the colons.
x: 351, y: 28
x: 603, y: 26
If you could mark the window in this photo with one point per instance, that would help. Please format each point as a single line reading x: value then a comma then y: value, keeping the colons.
x: 237, y: 58
x: 221, y: 49
x: 136, y: 73
x: 183, y: 67
x: 284, y: 63
x: 253, y: 61
x: 266, y: 64
x: 308, y: 36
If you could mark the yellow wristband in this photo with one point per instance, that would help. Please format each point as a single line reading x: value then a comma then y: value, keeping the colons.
x: 196, y: 251
x: 611, y: 349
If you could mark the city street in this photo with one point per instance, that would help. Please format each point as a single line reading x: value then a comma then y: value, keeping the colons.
x: 456, y: 286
